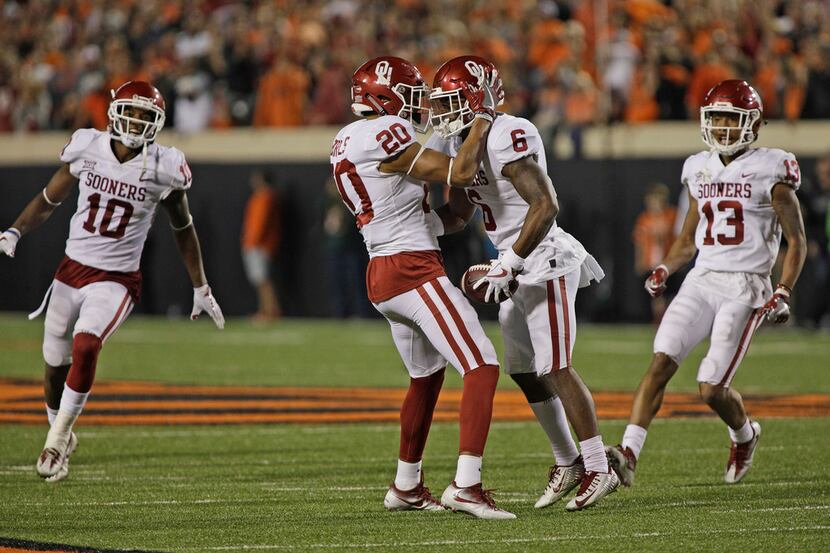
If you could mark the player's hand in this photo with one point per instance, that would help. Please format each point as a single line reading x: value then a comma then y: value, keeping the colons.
x: 502, y: 273
x: 8, y: 241
x: 777, y: 309
x: 203, y: 300
x: 482, y: 99
x: 656, y: 282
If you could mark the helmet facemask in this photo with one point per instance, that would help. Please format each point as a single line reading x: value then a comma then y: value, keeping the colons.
x: 415, y: 108
x: 450, y: 113
x: 735, y: 138
x: 135, y: 132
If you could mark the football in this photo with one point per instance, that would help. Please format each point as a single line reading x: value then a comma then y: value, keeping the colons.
x: 475, y: 273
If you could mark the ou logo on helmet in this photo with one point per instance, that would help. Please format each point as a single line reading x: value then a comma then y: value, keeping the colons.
x: 384, y: 72
x: 475, y: 69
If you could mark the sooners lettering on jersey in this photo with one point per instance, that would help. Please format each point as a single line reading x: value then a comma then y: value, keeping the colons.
x: 390, y: 208
x: 117, y: 201
x: 738, y: 229
x: 503, y: 209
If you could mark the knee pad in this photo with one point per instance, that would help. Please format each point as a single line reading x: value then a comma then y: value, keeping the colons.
x: 708, y: 372
x: 57, y: 351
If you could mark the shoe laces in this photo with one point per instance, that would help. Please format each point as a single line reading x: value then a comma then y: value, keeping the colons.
x: 422, y: 492
x: 486, y: 496
x: 589, y: 482
x: 738, y: 453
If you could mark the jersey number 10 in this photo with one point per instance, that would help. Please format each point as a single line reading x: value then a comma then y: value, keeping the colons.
x: 109, y: 212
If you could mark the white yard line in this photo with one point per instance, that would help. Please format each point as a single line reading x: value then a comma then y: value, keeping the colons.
x: 509, y: 541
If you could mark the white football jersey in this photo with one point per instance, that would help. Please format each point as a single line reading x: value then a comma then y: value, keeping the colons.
x: 390, y: 208
x: 512, y: 138
x: 738, y: 229
x: 117, y: 201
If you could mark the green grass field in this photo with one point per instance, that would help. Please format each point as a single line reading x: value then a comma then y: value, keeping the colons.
x: 320, y: 487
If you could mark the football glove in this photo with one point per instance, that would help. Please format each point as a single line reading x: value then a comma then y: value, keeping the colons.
x: 203, y: 300
x: 482, y: 99
x: 502, y: 272
x: 8, y: 241
x: 777, y: 309
x: 656, y: 282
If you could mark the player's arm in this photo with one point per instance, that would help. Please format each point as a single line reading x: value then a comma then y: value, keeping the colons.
x: 681, y: 252
x: 39, y: 209
x: 788, y: 211
x: 434, y: 166
x: 456, y: 213
x: 181, y: 221
x: 535, y: 188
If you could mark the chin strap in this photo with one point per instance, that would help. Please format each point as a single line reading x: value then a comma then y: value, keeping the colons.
x: 144, y: 157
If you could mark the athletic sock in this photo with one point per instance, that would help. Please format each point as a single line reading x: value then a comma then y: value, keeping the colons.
x: 468, y: 472
x: 634, y: 438
x: 51, y: 414
x: 743, y: 434
x: 552, y: 418
x: 72, y: 403
x: 416, y: 415
x: 593, y: 454
x: 477, y: 408
x: 408, y: 476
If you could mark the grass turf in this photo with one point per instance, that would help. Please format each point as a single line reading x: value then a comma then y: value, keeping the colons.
x: 321, y: 487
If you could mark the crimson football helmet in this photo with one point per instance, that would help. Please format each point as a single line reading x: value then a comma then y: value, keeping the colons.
x: 388, y: 85
x: 136, y: 113
x: 734, y: 97
x: 450, y: 112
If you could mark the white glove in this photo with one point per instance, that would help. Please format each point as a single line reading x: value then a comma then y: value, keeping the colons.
x: 656, y: 282
x: 8, y: 241
x: 502, y: 272
x: 777, y: 309
x: 203, y: 300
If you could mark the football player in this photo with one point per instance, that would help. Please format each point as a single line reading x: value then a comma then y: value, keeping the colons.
x: 740, y: 200
x: 379, y: 168
x: 122, y: 176
x: 538, y: 322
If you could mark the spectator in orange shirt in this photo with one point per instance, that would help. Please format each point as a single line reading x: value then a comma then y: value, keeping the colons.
x: 261, y: 234
x: 281, y: 95
x: 653, y: 236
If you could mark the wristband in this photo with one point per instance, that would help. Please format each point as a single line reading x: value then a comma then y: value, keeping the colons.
x: 204, y: 289
x: 661, y: 266
x: 14, y: 231
x: 511, y: 260
x: 177, y: 229
x: 48, y: 201
x: 484, y: 115
x: 783, y: 290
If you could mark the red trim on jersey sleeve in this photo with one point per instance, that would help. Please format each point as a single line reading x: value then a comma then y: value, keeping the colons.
x: 77, y: 275
x: 391, y: 275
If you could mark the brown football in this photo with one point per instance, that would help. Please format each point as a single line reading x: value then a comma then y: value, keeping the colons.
x: 473, y: 275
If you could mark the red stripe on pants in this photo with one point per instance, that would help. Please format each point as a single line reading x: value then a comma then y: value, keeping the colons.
x: 442, y: 324
x: 565, y: 320
x: 737, y: 356
x: 459, y: 322
x: 117, y: 316
x: 554, y: 325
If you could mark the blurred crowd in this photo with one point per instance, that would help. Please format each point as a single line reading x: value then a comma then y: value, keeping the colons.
x: 566, y: 63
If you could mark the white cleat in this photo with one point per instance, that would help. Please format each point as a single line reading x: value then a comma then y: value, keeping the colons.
x: 623, y: 462
x: 474, y: 501
x: 740, y: 457
x: 595, y: 486
x: 417, y: 499
x: 561, y: 480
x: 53, y: 461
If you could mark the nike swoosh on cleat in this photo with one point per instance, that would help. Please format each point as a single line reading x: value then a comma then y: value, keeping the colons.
x: 582, y: 503
x: 462, y: 500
